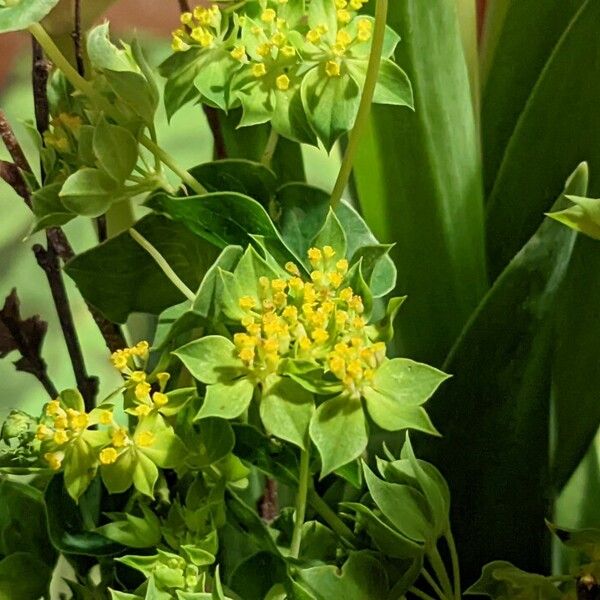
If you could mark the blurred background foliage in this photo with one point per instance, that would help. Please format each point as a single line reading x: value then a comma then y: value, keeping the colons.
x: 460, y: 186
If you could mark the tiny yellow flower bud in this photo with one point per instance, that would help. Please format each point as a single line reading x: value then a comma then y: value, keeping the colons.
x: 263, y: 49
x: 144, y: 439
x: 42, y: 432
x: 247, y: 354
x: 356, y: 4
x: 305, y: 343
x: 335, y: 279
x: 142, y: 410
x: 160, y: 399
x: 61, y: 437
x: 60, y: 422
x: 54, y: 459
x: 186, y: 18
x: 356, y: 304
x: 259, y: 70
x: 365, y: 25
x: 358, y: 323
x: 296, y: 284
x: 316, y: 276
x: 313, y: 36
x: 328, y: 251
x: 320, y: 336
x: 247, y: 302
x: 80, y: 421
x: 344, y: 16
x: 290, y: 313
x: 314, y: 255
x: 162, y: 378
x: 202, y: 36
x: 108, y: 456
x: 278, y: 39
x: 141, y: 348
x: 138, y: 376
x: 337, y: 365
x: 342, y: 265
x: 120, y: 437
x: 343, y: 37
x: 106, y: 417
x: 341, y: 4
x: 346, y: 294
x: 341, y: 316
x: 142, y: 390
x: 271, y: 345
x: 256, y: 30
x: 288, y: 51
x: 363, y: 35
x: 53, y: 408
x: 282, y: 82
x: 238, y: 53
x: 322, y: 29
x: 332, y: 69
x: 268, y: 15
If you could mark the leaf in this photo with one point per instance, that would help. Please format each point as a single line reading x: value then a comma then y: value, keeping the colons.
x: 418, y: 179
x: 133, y: 531
x: 501, y: 580
x: 20, y: 15
x: 48, y: 208
x: 216, y: 441
x: 331, y: 234
x: 362, y: 577
x: 118, y: 277
x: 211, y: 359
x: 116, y: 150
x: 584, y: 217
x: 286, y: 409
x: 135, y: 92
x: 227, y: 400
x: 502, y: 401
x: 24, y: 335
x: 88, y: 192
x: 402, y: 505
x: 66, y: 525
x: 331, y: 104
x: 23, y: 576
x: 339, y: 431
x: 256, y: 575
x: 103, y: 54
x: 523, y: 188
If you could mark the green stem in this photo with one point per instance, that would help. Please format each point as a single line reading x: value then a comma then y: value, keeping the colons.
x: 301, y: 497
x: 440, y: 571
x: 163, y: 264
x: 434, y: 586
x: 455, y: 563
x: 366, y: 100
x: 329, y: 516
x: 420, y: 594
x: 271, y: 146
x: 85, y: 87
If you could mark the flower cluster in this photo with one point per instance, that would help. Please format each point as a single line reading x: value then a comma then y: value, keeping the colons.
x: 63, y: 134
x: 199, y: 27
x: 318, y: 320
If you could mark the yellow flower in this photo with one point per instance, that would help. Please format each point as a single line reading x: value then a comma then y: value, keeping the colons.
x: 108, y: 456
x: 202, y: 36
x: 356, y: 4
x: 141, y: 410
x: 42, y: 432
x: 53, y: 408
x: 160, y: 399
x: 162, y: 378
x: 332, y: 68
x: 320, y: 336
x: 288, y: 51
x: 342, y: 265
x: 263, y: 49
x: 54, y: 459
x: 106, y: 417
x: 144, y: 439
x: 346, y: 294
x: 268, y: 15
x: 343, y: 38
x: 238, y: 53
x: 313, y: 36
x: 247, y: 302
x: 61, y: 422
x: 335, y: 279
x: 278, y: 39
x: 247, y: 354
x: 120, y: 437
x: 61, y: 437
x: 142, y: 390
x: 138, y: 376
x: 344, y: 16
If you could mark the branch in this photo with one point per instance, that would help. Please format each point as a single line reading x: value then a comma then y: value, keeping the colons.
x: 10, y: 173
x: 212, y: 116
x: 184, y: 6
x: 76, y: 36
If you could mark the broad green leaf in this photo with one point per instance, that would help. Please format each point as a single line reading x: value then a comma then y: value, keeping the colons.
x: 119, y: 277
x: 133, y: 531
x: 331, y: 104
x: 286, y: 409
x: 255, y: 576
x: 227, y: 400
x: 524, y: 187
x: 384, y: 329
x: 332, y: 234
x: 584, y: 217
x: 48, y: 207
x: 145, y: 475
x: 15, y: 16
x: 402, y: 505
x: 495, y: 409
x: 66, y: 525
x: 500, y: 580
x: 211, y: 359
x: 391, y: 542
x: 213, y: 80
x: 339, y: 430
x: 393, y: 85
x: 318, y: 542
x: 116, y: 150
x: 216, y: 441
x: 103, y: 54
x: 167, y: 450
x: 88, y: 192
x: 362, y: 577
x: 23, y: 576
x: 419, y: 183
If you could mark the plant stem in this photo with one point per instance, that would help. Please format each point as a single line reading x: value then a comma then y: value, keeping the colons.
x: 163, y: 264
x: 271, y: 146
x: 455, y: 563
x: 440, y: 570
x: 85, y: 87
x: 420, y: 594
x: 434, y: 586
x: 76, y: 36
x: 366, y: 99
x: 329, y: 516
x: 12, y: 145
x: 301, y: 498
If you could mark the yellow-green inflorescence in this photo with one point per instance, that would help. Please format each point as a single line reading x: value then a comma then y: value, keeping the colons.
x: 320, y: 320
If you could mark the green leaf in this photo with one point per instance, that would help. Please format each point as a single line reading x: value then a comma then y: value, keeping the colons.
x: 227, y: 400
x: 583, y: 217
x: 286, y: 409
x: 133, y: 531
x: 331, y: 234
x: 80, y: 464
x: 211, y: 359
x: 181, y: 69
x: 23, y: 576
x: 402, y: 505
x: 15, y: 16
x: 256, y: 575
x: 66, y: 525
x: 523, y: 189
x: 331, y: 104
x: 144, y: 475
x: 116, y: 150
x: 501, y: 580
x: 338, y: 429
x: 393, y: 85
x: 88, y: 192
x: 119, y: 277
x: 213, y: 80
x: 384, y: 329
x: 419, y: 182
x: 216, y: 441
x: 48, y: 208
x: 103, y: 54
x: 361, y: 577
x: 135, y: 92
x: 503, y: 402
